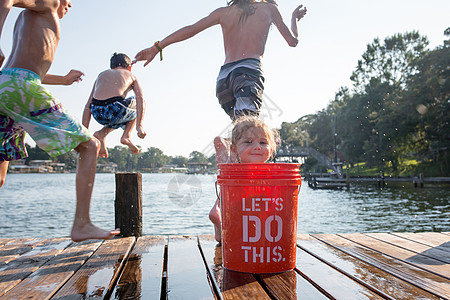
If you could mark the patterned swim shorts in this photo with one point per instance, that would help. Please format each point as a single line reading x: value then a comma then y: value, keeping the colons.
x: 114, y: 112
x: 240, y: 86
x: 26, y: 106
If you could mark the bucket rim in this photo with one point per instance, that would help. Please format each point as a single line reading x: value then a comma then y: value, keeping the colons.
x: 260, y: 182
x: 259, y: 167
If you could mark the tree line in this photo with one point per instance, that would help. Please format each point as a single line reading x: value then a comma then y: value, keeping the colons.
x: 394, y: 118
x: 151, y: 159
x: 396, y: 115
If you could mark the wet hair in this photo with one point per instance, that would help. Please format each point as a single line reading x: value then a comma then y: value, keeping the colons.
x: 247, y: 6
x: 120, y: 60
x: 244, y: 123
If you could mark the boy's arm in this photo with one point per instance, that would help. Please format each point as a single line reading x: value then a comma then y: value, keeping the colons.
x: 67, y: 79
x: 291, y: 36
x: 140, y: 108
x: 86, y: 119
x: 180, y: 35
x: 5, y: 7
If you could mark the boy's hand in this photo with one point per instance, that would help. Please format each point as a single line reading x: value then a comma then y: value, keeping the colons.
x: 147, y: 54
x: 299, y: 12
x: 72, y: 76
x: 141, y: 132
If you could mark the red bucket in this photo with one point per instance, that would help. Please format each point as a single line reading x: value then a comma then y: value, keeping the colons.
x: 259, y: 216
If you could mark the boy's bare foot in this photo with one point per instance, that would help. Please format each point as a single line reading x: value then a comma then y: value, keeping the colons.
x: 101, y: 137
x: 216, y: 219
x: 90, y: 231
x: 127, y: 142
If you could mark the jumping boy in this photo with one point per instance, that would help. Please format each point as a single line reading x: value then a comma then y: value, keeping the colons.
x: 108, y: 105
x: 26, y: 106
x: 239, y: 88
x: 245, y: 27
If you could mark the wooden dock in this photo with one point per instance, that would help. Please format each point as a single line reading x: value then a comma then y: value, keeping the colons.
x: 329, y: 266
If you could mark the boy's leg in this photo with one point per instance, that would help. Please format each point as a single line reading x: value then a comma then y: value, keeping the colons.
x: 83, y: 228
x: 101, y: 136
x: 126, y: 137
x: 3, y: 169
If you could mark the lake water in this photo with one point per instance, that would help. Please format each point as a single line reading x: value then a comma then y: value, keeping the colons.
x: 43, y: 205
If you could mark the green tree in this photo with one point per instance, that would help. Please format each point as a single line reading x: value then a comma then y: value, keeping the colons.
x: 179, y: 160
x: 35, y: 153
x: 391, y: 61
x: 197, y: 157
x: 154, y: 158
x: 70, y: 159
x: 295, y: 134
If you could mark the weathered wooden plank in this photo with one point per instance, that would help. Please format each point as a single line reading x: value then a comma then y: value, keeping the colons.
x: 229, y: 284
x: 329, y: 280
x: 16, y: 270
x: 430, y: 282
x: 290, y: 285
x: 97, y: 275
x: 141, y: 278
x: 438, y: 240
x: 186, y: 272
x: 433, y: 252
x: 408, y: 256
x: 16, y: 248
x: 5, y: 241
x: 43, y: 283
x: 383, y: 283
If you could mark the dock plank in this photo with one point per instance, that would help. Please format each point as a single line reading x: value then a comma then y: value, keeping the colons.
x: 187, y: 277
x: 229, y: 284
x: 16, y: 248
x: 290, y: 285
x: 430, y: 251
x: 419, y: 277
x: 408, y: 256
x: 142, y: 275
x: 5, y: 241
x: 44, y: 282
x: 97, y: 275
x: 13, y: 272
x: 438, y: 240
x: 377, y: 280
x: 332, y: 282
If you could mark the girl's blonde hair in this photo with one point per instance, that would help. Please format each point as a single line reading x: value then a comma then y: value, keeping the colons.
x: 244, y: 123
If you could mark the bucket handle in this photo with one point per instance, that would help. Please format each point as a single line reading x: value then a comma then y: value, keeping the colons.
x: 217, y: 193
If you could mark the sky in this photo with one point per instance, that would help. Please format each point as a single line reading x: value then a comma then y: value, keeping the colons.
x: 182, y: 112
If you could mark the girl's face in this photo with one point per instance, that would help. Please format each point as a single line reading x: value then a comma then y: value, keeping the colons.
x: 252, y: 147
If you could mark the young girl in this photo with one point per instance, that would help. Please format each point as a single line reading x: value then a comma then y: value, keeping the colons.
x: 252, y: 141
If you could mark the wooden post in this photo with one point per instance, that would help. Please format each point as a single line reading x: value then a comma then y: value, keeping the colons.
x: 128, y: 204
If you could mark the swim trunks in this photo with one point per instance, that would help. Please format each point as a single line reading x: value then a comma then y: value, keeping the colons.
x: 26, y: 106
x: 114, y: 112
x: 240, y: 86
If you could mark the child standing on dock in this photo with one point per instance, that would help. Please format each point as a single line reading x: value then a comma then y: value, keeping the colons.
x: 26, y: 106
x: 108, y: 105
x: 252, y: 141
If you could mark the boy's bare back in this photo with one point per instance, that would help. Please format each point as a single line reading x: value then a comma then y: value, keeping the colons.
x: 36, y: 35
x: 246, y: 38
x: 112, y: 83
